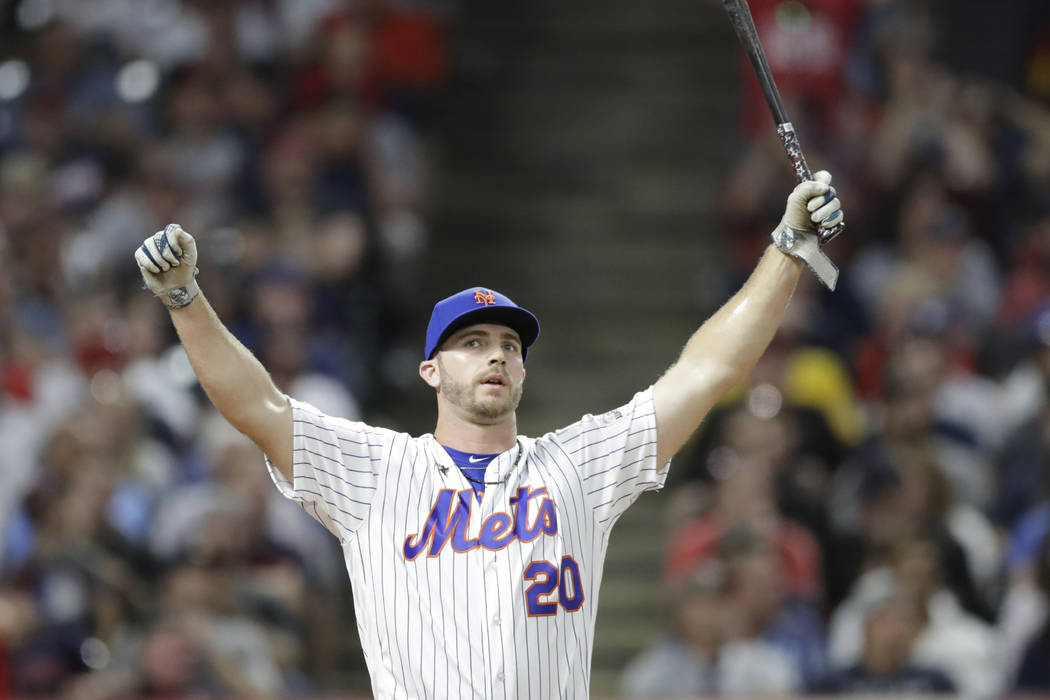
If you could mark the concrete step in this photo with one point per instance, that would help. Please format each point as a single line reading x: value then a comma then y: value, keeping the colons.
x: 604, y: 111
x: 585, y: 23
x: 595, y: 204
x: 632, y: 611
x: 639, y: 69
x: 553, y: 13
x: 595, y: 287
x: 642, y: 66
x: 588, y: 212
x: 570, y: 159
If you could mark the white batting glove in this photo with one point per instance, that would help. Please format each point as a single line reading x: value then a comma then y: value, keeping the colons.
x: 813, y: 203
x: 168, y: 261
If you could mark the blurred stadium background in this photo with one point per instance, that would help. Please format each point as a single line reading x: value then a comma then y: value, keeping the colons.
x: 881, y: 483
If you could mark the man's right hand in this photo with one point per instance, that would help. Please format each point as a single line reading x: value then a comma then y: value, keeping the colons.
x: 813, y: 203
x: 168, y: 261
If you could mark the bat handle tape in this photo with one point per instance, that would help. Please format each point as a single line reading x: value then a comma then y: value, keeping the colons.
x: 827, y: 234
x: 789, y: 138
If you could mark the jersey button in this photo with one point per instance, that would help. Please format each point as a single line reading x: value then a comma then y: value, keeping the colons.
x: 500, y: 677
x: 495, y: 621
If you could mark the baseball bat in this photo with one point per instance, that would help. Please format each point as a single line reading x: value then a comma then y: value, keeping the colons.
x: 744, y: 26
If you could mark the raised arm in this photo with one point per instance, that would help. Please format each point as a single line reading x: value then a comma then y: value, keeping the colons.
x: 233, y: 378
x: 726, y: 347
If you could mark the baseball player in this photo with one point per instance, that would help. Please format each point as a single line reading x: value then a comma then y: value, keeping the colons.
x: 475, y: 553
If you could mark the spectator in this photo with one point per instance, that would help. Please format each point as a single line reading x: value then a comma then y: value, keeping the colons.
x: 1023, y: 459
x: 24, y: 662
x: 952, y: 640
x: 132, y: 117
x: 1024, y: 626
x: 765, y: 613
x: 745, y: 499
x: 685, y: 661
x: 708, y: 652
x: 891, y: 628
x: 173, y: 664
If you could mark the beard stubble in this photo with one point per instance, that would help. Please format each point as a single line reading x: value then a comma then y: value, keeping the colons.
x: 463, y: 394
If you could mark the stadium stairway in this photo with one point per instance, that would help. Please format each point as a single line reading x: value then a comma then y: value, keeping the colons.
x: 579, y: 148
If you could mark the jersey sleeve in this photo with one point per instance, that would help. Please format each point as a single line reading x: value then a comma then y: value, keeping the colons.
x: 335, y: 464
x: 615, y: 456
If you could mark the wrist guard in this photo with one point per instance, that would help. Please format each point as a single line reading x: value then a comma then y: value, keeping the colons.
x: 179, y: 297
x: 805, y: 246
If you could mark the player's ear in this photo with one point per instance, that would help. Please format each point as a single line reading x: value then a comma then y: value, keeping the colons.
x: 428, y: 371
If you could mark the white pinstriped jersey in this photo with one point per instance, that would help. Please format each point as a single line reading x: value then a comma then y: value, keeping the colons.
x: 460, y: 599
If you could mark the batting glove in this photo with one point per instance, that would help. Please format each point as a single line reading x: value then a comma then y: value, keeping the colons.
x: 168, y: 261
x: 812, y: 204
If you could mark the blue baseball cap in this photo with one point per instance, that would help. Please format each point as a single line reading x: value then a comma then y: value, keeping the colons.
x: 479, y: 305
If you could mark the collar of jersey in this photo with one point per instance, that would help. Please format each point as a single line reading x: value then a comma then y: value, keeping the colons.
x: 471, y: 460
x: 437, y: 450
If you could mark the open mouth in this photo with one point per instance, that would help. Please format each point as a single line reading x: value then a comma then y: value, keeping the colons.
x: 494, y: 380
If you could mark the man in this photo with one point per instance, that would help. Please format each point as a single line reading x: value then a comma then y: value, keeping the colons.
x: 459, y: 595
x: 892, y: 626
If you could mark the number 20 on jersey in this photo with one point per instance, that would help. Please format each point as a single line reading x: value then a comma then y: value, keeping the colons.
x: 546, y: 577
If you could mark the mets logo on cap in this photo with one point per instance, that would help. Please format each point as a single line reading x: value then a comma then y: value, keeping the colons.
x: 478, y: 305
x: 484, y: 297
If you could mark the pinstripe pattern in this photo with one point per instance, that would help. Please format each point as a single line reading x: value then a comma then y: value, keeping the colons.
x: 457, y: 624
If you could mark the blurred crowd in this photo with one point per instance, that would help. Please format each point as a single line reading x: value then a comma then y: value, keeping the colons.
x: 143, y: 551
x: 871, y: 512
